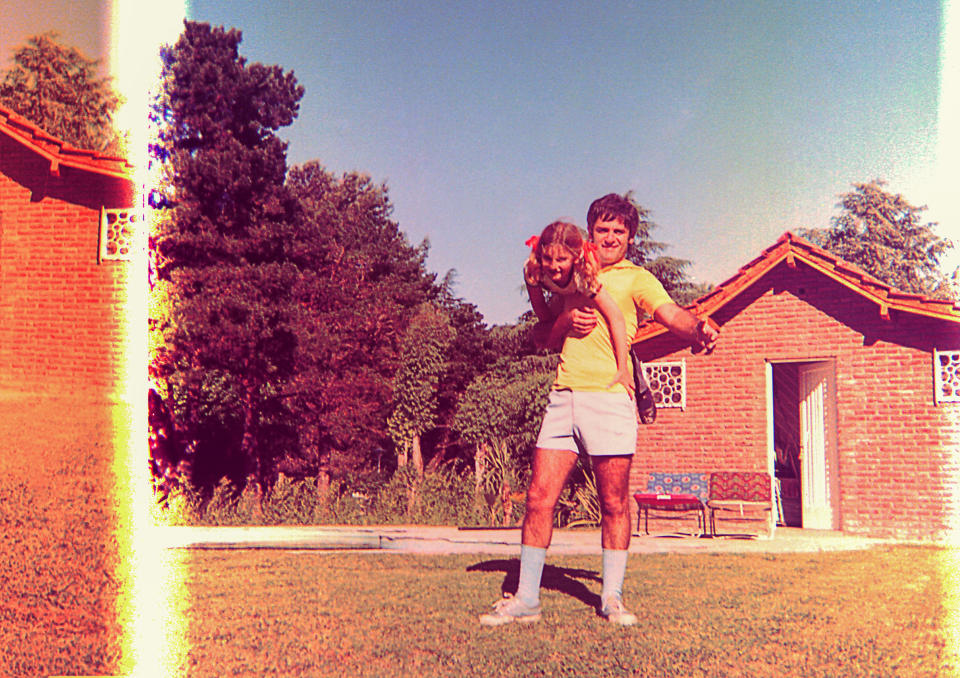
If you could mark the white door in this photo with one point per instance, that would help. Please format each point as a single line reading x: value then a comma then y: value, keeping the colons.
x: 817, y: 445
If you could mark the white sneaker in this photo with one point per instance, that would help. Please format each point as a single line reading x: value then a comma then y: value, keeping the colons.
x: 615, y: 613
x: 510, y: 609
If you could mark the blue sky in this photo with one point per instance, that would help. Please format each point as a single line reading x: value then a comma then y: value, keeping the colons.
x: 732, y: 122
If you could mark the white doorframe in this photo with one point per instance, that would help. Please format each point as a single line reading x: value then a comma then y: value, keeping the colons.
x: 818, y: 445
x: 771, y: 444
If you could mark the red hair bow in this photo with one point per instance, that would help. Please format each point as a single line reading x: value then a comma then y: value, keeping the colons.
x: 590, y: 252
x: 532, y: 241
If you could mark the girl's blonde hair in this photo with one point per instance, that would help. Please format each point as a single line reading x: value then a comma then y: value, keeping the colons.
x: 586, y: 263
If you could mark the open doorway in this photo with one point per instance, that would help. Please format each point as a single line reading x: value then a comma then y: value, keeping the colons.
x: 804, y: 439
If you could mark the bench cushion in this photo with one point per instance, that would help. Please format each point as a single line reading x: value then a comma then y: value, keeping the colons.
x: 696, y: 484
x: 745, y: 486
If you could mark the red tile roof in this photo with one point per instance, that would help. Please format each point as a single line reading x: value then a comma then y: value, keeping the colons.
x: 795, y: 250
x: 59, y: 153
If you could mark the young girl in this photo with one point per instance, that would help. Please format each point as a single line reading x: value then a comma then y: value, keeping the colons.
x: 565, y: 263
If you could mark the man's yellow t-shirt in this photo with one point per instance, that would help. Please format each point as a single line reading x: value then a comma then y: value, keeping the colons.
x: 589, y: 363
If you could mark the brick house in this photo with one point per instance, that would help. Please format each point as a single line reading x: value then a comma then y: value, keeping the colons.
x: 844, y: 388
x: 65, y: 230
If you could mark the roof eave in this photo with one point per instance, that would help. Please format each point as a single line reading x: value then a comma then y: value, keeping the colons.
x: 787, y: 250
x: 28, y: 135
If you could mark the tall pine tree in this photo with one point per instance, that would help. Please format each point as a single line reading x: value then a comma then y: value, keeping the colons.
x: 224, y: 322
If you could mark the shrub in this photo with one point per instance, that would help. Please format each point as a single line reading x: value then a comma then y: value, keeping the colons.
x: 446, y: 499
x: 580, y: 503
x: 441, y: 497
x: 345, y: 505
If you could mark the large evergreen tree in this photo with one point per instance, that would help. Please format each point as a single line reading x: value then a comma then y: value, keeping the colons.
x: 884, y: 234
x: 225, y: 324
x: 57, y: 88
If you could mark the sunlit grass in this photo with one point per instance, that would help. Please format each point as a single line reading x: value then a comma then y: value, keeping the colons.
x: 866, y: 613
x: 878, y: 612
x: 58, y: 552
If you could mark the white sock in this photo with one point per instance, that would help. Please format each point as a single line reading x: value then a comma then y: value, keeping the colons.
x: 614, y: 567
x: 532, y: 559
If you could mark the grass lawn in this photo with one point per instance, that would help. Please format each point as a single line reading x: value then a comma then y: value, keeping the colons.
x: 312, y: 613
x: 866, y: 613
x: 58, y: 552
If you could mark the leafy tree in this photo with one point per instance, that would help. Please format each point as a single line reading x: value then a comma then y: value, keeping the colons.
x: 422, y: 361
x: 884, y: 235
x: 500, y: 411
x: 225, y: 324
x: 361, y: 283
x: 57, y: 88
x: 503, y: 405
x: 471, y: 351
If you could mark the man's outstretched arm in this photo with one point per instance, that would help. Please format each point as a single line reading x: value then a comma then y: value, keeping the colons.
x: 685, y: 324
x: 579, y: 322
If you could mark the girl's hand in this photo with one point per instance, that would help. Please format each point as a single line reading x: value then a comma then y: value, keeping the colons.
x: 623, y: 377
x: 531, y: 271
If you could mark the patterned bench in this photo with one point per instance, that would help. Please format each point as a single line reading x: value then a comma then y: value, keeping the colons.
x: 741, y: 496
x: 674, y: 493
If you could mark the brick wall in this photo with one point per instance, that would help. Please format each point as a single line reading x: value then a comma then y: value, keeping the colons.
x: 897, y: 452
x: 60, y: 310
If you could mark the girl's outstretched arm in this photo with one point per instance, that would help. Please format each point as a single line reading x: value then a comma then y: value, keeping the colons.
x: 539, y: 303
x: 531, y: 276
x: 618, y: 335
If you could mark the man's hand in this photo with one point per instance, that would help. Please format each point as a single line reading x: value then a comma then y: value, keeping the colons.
x: 574, y: 322
x: 582, y: 322
x: 708, y: 335
x: 701, y: 334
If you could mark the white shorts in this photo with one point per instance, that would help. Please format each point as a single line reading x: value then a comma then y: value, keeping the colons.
x: 598, y: 424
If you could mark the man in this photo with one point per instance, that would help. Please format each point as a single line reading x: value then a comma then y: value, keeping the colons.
x: 587, y: 415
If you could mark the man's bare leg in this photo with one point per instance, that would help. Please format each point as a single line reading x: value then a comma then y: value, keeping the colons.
x: 613, y: 480
x: 613, y: 484
x: 550, y: 471
x: 548, y: 476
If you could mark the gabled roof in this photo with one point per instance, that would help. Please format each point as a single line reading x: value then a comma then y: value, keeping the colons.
x: 795, y: 251
x: 59, y: 153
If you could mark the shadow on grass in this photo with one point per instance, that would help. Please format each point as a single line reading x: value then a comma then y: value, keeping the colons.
x: 568, y: 580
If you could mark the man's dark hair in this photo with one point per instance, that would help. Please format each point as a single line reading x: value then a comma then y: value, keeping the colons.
x: 613, y: 207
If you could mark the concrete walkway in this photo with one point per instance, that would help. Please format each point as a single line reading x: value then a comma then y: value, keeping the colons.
x: 441, y: 540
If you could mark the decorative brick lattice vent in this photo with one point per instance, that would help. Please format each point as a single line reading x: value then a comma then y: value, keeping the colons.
x: 668, y: 383
x: 117, y: 231
x: 946, y: 371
